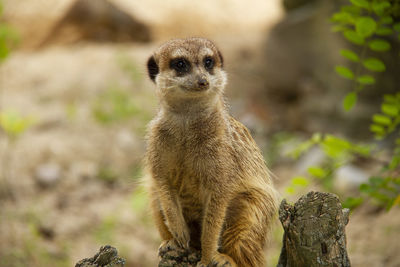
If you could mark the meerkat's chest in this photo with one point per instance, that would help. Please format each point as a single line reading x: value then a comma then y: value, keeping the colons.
x: 185, y: 161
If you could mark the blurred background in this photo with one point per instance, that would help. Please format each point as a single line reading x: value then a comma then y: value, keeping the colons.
x: 75, y: 100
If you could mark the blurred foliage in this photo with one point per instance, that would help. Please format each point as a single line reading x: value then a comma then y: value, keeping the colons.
x: 30, y: 249
x: 11, y: 122
x: 8, y: 37
x: 369, y: 24
x: 104, y: 233
x: 14, y: 124
x: 337, y: 151
x: 114, y: 105
x: 128, y: 66
x: 107, y: 174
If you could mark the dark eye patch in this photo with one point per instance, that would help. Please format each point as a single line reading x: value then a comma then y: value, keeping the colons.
x: 181, y: 65
x: 208, y: 63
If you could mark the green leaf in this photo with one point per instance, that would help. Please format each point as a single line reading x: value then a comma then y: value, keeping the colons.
x: 300, y: 181
x: 379, y: 7
x: 350, y: 55
x: 366, y: 79
x: 352, y: 202
x: 365, y: 26
x: 353, y: 37
x: 354, y: 10
x: 386, y: 20
x: 364, y: 150
x: 360, y: 3
x: 317, y: 172
x: 381, y: 119
x: 305, y: 146
x: 316, y: 138
x: 365, y: 188
x: 343, y: 17
x: 339, y: 28
x: 390, y: 99
x: 290, y: 190
x: 374, y: 64
x: 396, y: 27
x: 378, y: 129
x: 390, y: 110
x: 349, y: 101
x: 379, y: 45
x: 335, y: 147
x: 14, y: 124
x: 394, y: 163
x: 384, y: 31
x: 344, y: 72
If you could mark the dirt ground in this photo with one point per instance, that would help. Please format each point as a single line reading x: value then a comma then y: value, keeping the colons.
x: 74, y: 175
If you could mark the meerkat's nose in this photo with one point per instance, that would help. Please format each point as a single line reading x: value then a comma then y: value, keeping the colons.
x: 202, y: 82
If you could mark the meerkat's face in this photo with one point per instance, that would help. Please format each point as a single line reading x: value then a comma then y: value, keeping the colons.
x: 187, y: 68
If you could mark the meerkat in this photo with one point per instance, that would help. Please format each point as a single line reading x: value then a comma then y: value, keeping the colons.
x: 210, y: 188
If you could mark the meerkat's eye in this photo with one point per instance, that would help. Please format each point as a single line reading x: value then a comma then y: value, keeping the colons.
x: 181, y: 65
x: 208, y: 63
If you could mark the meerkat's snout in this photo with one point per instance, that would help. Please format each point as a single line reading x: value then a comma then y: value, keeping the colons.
x: 202, y: 82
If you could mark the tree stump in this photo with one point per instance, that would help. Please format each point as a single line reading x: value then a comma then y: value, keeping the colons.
x: 314, y: 231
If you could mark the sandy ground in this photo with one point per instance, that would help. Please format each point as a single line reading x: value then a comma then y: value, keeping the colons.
x: 94, y: 196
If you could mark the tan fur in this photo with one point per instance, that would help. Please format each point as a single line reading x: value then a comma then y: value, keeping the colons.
x: 209, y: 185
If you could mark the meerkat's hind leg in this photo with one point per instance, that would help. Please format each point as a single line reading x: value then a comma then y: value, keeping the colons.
x: 248, y: 220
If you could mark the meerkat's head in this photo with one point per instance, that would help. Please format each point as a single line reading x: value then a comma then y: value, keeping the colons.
x: 187, y: 69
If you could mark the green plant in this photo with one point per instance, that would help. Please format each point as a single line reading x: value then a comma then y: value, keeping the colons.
x: 114, y: 105
x: 14, y: 124
x: 337, y: 151
x: 8, y: 38
x: 368, y: 24
x: 371, y: 25
x: 11, y: 122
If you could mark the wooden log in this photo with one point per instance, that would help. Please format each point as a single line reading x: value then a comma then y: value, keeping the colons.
x: 314, y: 231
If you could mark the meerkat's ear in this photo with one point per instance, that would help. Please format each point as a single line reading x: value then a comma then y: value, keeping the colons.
x: 152, y: 68
x: 221, y: 58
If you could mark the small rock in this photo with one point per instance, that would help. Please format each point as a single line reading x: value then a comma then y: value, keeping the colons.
x: 48, y: 174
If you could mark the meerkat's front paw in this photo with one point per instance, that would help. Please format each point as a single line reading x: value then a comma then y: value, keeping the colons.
x: 219, y: 260
x: 182, y: 238
x: 166, y: 246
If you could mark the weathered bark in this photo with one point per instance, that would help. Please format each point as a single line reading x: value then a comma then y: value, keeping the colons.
x: 106, y: 257
x: 314, y: 231
x: 179, y: 258
x: 314, y: 236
